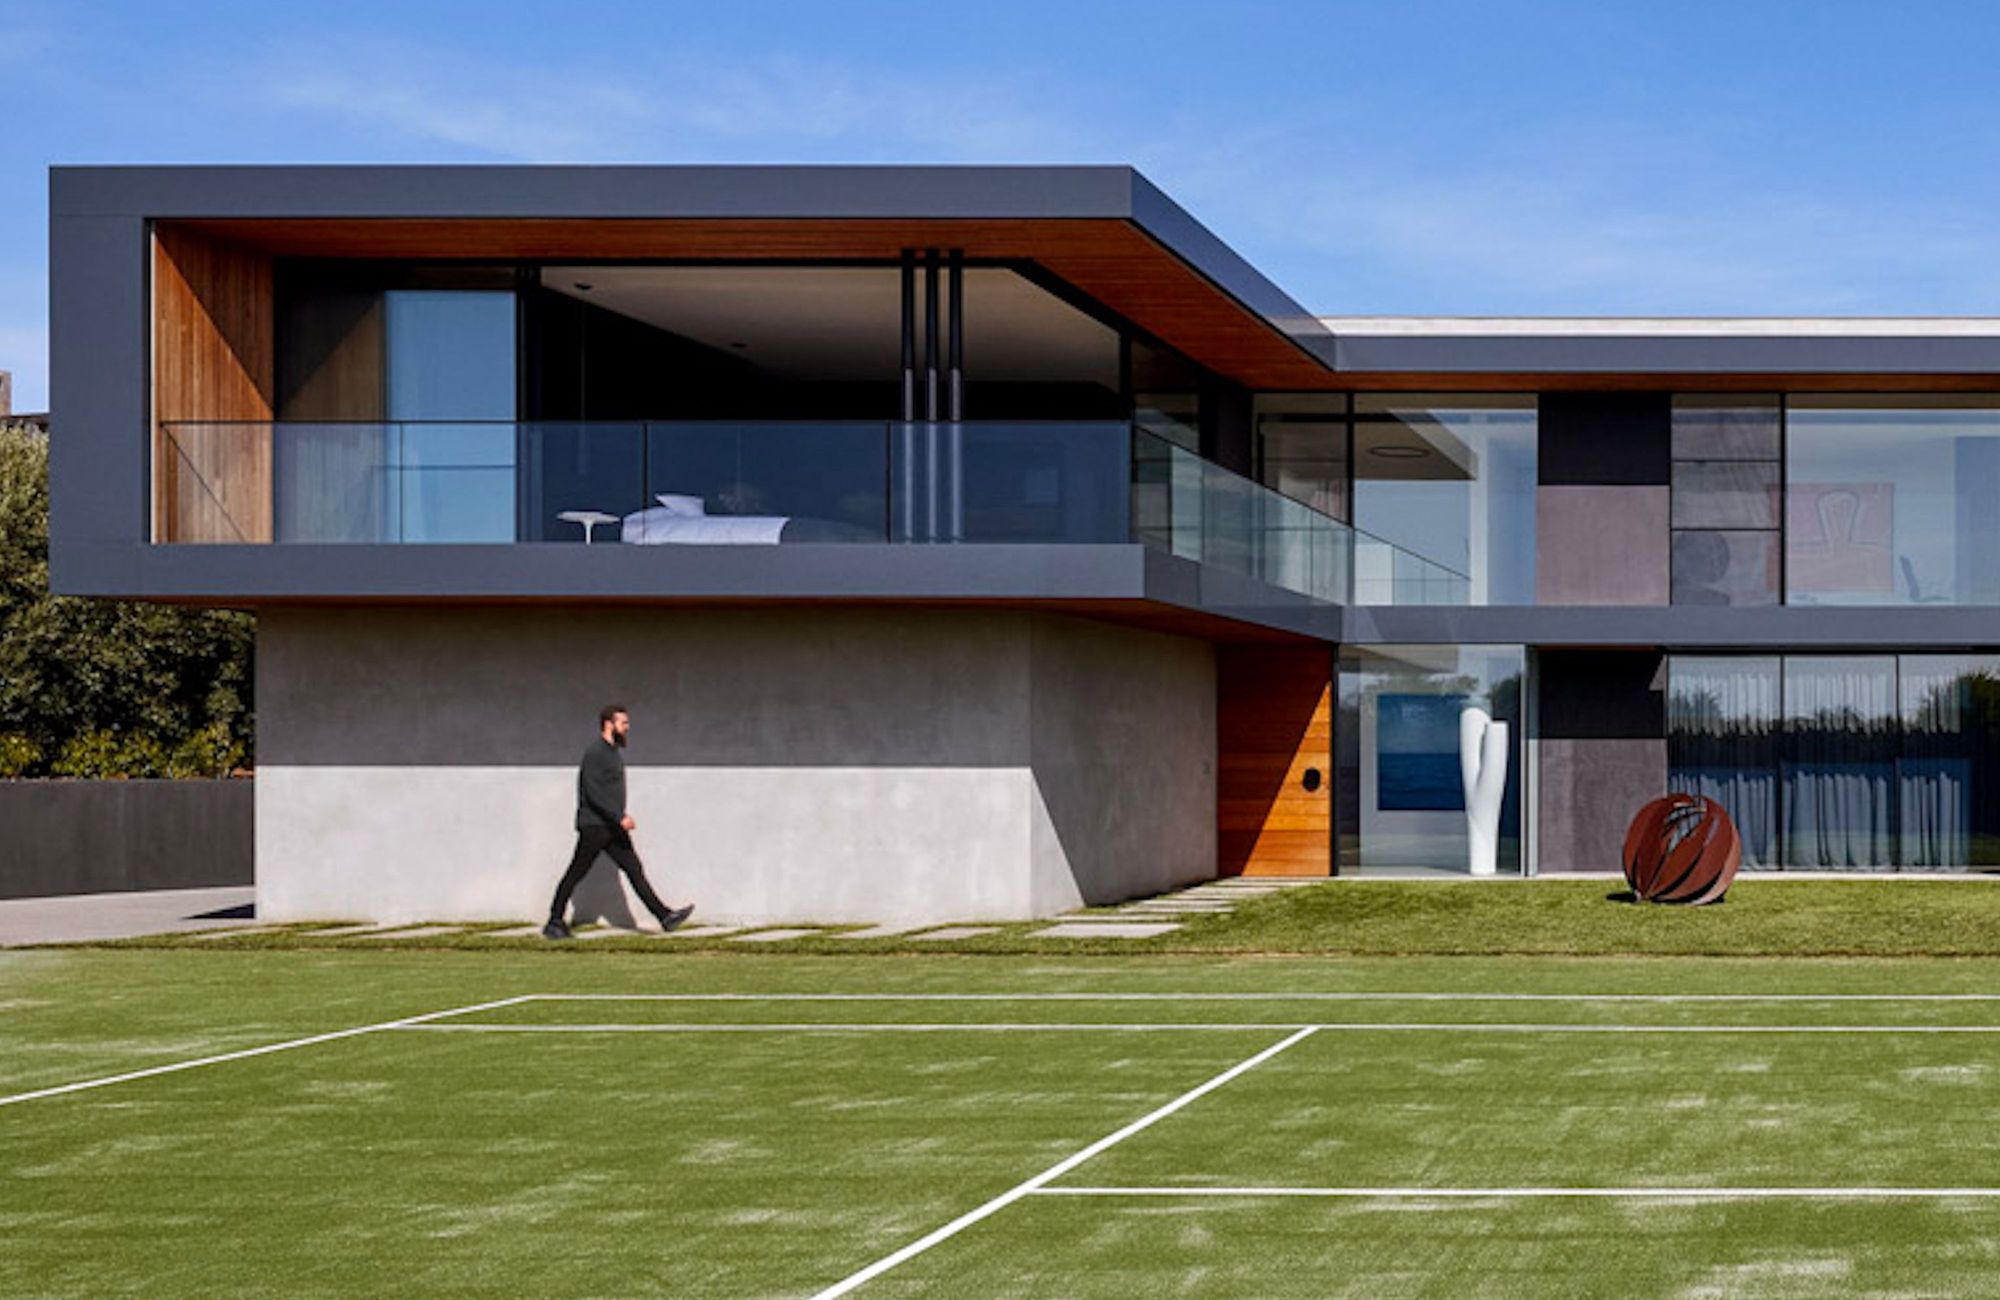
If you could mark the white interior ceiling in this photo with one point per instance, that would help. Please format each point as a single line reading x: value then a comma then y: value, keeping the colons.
x: 845, y: 323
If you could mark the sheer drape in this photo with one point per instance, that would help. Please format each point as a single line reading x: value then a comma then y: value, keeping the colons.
x: 1839, y: 769
x: 1722, y: 727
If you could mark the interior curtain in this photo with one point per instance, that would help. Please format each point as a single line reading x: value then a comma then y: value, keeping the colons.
x: 1839, y: 772
x: 1722, y: 726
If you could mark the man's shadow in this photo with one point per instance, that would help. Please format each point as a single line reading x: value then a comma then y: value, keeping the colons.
x: 600, y: 896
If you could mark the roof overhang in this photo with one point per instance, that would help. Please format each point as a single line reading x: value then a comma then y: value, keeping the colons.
x: 1107, y: 231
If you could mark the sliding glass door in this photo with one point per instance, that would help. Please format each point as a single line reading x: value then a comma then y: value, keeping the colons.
x: 1844, y: 762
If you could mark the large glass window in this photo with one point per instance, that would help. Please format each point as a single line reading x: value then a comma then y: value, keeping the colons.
x: 1450, y: 480
x: 1399, y: 792
x: 1302, y: 448
x: 1844, y: 762
x: 1888, y: 500
x: 1723, y: 724
x: 1949, y: 796
x: 449, y: 385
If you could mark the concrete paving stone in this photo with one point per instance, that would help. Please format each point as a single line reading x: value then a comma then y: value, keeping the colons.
x: 695, y: 932
x: 1105, y: 930
x: 425, y: 932
x: 876, y: 932
x: 773, y: 936
x: 951, y: 932
x: 346, y: 931
x: 243, y: 929
x: 511, y: 932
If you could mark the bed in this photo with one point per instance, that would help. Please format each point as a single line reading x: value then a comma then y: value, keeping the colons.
x: 683, y: 520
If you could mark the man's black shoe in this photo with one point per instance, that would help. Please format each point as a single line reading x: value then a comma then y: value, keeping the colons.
x: 672, y: 920
x: 555, y: 930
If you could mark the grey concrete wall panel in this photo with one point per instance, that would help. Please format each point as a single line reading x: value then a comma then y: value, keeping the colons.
x: 786, y: 764
x: 1122, y: 744
x: 1602, y: 545
x: 424, y: 687
x: 1661, y: 354
x: 95, y: 837
x: 1588, y: 792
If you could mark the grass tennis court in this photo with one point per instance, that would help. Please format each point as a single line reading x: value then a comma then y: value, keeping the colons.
x: 716, y: 1126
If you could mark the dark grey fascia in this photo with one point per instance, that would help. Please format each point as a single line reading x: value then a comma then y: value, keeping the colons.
x: 1664, y: 354
x: 1019, y: 575
x: 1684, y: 627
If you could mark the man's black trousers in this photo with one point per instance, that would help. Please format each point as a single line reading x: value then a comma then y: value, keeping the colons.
x: 591, y: 841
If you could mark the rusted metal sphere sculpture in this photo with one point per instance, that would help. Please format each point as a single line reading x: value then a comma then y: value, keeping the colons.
x: 1682, y: 849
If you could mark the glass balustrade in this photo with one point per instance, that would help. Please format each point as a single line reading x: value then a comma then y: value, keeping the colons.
x: 757, y: 483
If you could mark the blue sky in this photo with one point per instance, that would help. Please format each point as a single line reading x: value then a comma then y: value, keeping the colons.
x: 1456, y: 156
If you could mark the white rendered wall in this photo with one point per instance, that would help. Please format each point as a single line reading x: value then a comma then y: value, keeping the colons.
x: 831, y: 765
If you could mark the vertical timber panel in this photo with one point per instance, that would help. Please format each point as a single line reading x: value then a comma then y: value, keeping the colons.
x: 213, y: 359
x: 1274, y: 726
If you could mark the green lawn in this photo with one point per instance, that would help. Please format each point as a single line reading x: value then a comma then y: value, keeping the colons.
x: 1567, y: 917
x: 743, y: 1145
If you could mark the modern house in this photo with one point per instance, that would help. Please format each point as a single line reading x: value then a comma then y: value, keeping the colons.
x: 986, y: 541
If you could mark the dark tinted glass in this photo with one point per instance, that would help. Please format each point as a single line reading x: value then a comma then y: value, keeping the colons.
x: 1725, y: 568
x: 1725, y: 494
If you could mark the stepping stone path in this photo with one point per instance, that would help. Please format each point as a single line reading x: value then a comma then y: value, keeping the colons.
x: 1105, y: 930
x: 951, y: 932
x: 773, y: 936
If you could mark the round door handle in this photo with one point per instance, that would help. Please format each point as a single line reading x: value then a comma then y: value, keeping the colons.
x: 1311, y: 780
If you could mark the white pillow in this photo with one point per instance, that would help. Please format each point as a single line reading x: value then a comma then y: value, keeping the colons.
x: 681, y: 505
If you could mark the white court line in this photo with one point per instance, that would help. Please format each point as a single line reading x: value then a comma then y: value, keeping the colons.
x: 1213, y: 996
x: 265, y: 1050
x: 1053, y: 1172
x: 833, y: 1027
x: 1474, y: 1193
x: 1355, y: 1027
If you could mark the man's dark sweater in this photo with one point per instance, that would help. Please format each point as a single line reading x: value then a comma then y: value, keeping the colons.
x: 600, y: 787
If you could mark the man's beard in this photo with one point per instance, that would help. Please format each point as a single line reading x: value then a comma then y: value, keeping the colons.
x: 618, y: 739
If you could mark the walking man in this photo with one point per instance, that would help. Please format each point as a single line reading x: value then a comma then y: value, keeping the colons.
x: 602, y: 826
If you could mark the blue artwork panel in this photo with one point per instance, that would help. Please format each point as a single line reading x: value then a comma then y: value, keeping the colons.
x: 1416, y: 753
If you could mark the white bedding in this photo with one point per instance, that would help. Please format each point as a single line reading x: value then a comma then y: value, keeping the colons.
x: 661, y: 527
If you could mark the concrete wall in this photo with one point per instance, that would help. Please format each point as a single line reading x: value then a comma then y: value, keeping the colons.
x: 93, y: 837
x: 785, y: 764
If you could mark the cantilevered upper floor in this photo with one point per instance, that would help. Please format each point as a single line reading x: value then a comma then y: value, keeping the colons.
x: 1044, y: 384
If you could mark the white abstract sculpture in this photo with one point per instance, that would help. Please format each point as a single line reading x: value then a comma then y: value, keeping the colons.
x: 1482, y: 762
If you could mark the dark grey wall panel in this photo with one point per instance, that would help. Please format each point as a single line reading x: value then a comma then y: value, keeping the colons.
x: 1589, y: 791
x: 1602, y: 695
x: 94, y: 837
x: 1604, y: 438
x: 1602, y: 545
x: 100, y: 430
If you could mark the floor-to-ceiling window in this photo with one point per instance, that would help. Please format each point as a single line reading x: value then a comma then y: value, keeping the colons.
x: 1844, y: 762
x: 450, y: 397
x: 1447, y: 483
x: 1887, y: 500
x: 1399, y: 793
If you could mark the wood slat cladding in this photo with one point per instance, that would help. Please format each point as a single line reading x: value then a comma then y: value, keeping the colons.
x: 1114, y: 262
x: 1274, y: 725
x: 213, y: 357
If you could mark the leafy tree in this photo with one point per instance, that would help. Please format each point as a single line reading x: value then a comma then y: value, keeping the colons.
x: 99, y: 688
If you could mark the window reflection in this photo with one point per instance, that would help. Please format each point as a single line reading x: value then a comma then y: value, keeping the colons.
x: 1451, y: 479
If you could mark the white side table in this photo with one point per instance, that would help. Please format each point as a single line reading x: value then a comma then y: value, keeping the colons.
x: 590, y: 519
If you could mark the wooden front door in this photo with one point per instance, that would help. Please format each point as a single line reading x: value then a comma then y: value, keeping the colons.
x: 1274, y: 761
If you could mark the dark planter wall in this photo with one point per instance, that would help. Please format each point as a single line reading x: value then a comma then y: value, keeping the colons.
x: 95, y: 837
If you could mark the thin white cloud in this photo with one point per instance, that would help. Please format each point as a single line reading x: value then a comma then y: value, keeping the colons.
x: 683, y: 108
